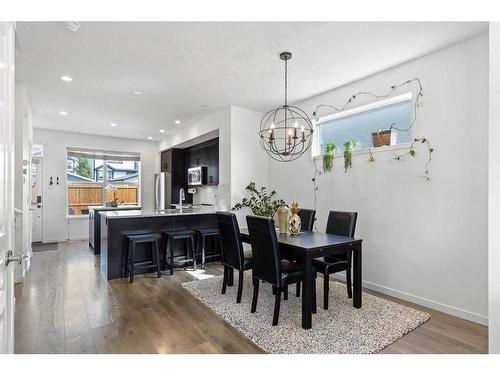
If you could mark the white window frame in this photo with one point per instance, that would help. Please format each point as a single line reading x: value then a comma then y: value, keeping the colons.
x: 316, y: 147
x: 104, y: 183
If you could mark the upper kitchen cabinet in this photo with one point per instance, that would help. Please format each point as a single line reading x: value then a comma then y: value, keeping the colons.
x: 205, y: 154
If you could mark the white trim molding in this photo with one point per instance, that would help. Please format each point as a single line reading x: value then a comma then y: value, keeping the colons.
x: 455, y: 311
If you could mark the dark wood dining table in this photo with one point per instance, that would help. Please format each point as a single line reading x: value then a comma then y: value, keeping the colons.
x: 309, y: 245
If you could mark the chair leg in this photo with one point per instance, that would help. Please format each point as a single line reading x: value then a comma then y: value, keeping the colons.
x: 157, y: 257
x: 224, y: 280
x: 255, y: 294
x: 202, y: 252
x: 277, y: 301
x: 313, y: 307
x: 171, y: 241
x: 297, y: 293
x: 285, y: 293
x: 131, y: 262
x: 326, y: 288
x: 164, y: 249
x: 193, y: 252
x: 240, y: 286
x: 348, y: 282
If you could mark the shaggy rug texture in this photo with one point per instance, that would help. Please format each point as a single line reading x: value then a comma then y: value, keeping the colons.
x: 341, y: 329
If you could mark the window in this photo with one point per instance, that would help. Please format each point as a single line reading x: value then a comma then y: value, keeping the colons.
x: 362, y: 124
x: 94, y: 177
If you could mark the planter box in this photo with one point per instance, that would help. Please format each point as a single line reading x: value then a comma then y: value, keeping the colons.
x: 385, y: 138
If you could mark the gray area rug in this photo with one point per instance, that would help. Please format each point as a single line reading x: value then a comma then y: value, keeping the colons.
x: 342, y: 329
x: 38, y: 246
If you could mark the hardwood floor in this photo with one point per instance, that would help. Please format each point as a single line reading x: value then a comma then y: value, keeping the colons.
x: 66, y: 306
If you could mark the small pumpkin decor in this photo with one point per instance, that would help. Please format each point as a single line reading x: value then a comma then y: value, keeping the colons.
x: 294, y: 222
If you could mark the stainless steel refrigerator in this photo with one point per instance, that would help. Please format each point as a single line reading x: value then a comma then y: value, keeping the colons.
x: 163, y: 190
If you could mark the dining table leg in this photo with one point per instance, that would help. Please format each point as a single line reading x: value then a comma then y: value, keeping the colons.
x: 357, y: 277
x: 307, y: 294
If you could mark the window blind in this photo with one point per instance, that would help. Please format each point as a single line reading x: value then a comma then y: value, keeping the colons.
x: 103, y: 154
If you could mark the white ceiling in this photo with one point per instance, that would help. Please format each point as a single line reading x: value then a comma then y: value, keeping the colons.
x: 188, y: 69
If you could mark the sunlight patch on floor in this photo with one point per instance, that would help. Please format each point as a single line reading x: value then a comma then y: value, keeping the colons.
x: 200, y: 274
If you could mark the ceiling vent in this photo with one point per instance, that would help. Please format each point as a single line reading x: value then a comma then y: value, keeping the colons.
x: 72, y: 26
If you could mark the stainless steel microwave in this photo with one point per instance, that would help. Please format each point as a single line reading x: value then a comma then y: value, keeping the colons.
x: 197, y: 176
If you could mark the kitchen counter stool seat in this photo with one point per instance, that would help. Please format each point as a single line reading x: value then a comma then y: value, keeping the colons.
x: 202, y: 235
x: 132, y: 264
x: 171, y: 236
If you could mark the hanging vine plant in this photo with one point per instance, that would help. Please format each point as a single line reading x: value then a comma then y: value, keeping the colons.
x: 328, y: 157
x: 349, y: 146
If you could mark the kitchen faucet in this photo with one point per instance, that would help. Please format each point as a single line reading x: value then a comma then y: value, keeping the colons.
x: 181, y: 197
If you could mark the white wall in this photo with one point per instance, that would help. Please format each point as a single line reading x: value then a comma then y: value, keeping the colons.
x: 56, y: 225
x: 249, y: 162
x: 494, y: 192
x: 22, y: 199
x: 423, y: 241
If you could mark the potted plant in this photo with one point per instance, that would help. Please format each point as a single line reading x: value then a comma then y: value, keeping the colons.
x: 349, y: 146
x: 330, y: 150
x: 384, y: 137
x: 260, y: 201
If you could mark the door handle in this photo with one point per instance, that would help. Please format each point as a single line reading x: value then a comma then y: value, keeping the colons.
x: 9, y: 258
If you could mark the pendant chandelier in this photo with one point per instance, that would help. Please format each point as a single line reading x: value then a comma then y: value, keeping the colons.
x: 286, y: 131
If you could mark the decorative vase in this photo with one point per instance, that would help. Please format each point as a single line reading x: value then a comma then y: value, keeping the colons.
x: 283, y: 213
x: 294, y: 223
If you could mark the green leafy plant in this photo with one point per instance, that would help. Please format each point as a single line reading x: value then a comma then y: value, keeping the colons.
x: 330, y: 150
x: 260, y: 201
x: 83, y: 168
x: 349, y: 146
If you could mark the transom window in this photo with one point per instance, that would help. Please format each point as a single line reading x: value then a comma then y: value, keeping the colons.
x: 368, y: 125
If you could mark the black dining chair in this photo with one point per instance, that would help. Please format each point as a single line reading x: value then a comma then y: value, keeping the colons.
x: 233, y: 254
x: 307, y: 217
x: 343, y: 224
x: 268, y: 265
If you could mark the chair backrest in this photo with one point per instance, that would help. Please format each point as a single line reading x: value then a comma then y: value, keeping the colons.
x: 342, y: 223
x: 229, y: 234
x: 307, y: 218
x: 265, y: 249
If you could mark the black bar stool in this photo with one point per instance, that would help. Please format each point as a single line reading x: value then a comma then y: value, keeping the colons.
x: 170, y: 237
x: 202, y: 235
x: 153, y: 263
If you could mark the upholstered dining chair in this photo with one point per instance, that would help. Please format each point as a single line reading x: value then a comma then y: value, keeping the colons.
x: 268, y: 265
x: 307, y: 218
x: 343, y: 224
x: 233, y: 254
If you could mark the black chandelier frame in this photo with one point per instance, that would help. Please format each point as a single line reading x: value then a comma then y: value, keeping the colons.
x: 286, y: 132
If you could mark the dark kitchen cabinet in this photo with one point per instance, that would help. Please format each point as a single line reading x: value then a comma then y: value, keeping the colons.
x: 173, y: 161
x: 205, y: 154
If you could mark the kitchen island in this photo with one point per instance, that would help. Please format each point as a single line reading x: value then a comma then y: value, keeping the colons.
x: 116, y: 224
x: 95, y: 223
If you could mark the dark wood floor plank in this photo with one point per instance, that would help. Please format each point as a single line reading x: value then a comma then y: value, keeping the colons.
x: 66, y: 306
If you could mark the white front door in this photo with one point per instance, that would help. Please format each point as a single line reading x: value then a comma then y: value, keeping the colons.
x: 6, y: 186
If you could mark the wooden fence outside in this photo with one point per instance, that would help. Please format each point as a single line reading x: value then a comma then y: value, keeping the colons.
x: 81, y: 196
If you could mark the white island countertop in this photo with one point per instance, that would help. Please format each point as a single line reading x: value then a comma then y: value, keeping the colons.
x: 157, y: 213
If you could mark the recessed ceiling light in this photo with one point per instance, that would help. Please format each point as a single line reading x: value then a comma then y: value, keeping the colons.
x: 112, y: 123
x: 162, y: 130
x: 177, y: 122
x: 150, y: 138
x: 137, y: 92
x: 63, y: 113
x: 66, y: 78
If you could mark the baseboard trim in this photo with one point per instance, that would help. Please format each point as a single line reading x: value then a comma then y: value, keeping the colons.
x: 467, y: 315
